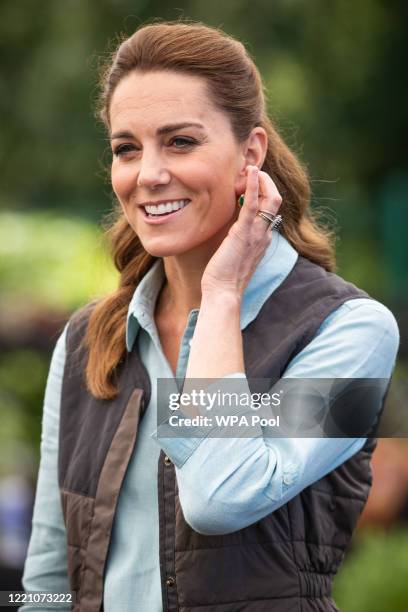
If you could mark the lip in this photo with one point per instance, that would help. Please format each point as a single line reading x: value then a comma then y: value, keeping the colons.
x: 164, y: 218
x: 157, y: 202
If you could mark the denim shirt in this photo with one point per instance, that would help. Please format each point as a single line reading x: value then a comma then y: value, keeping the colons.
x: 224, y: 484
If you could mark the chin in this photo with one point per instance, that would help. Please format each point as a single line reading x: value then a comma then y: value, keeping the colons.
x: 166, y: 250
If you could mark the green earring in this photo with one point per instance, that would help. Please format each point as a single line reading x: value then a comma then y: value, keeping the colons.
x: 240, y: 201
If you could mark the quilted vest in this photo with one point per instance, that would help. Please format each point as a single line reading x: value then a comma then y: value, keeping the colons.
x: 284, y: 562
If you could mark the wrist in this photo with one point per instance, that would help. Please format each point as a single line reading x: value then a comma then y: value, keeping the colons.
x: 221, y: 298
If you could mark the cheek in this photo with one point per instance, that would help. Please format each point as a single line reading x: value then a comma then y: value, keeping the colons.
x: 215, y: 179
x: 121, y: 179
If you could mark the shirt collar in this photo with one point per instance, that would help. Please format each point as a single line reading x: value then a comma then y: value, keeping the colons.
x: 277, y: 262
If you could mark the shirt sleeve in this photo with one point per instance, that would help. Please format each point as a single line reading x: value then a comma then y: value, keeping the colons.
x: 244, y: 479
x: 45, y: 566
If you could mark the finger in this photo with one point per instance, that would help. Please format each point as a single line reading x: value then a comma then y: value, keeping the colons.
x: 250, y: 208
x: 269, y: 197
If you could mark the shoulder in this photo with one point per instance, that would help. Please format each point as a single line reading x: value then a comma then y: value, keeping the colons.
x: 358, y: 309
x: 364, y: 315
x: 360, y: 338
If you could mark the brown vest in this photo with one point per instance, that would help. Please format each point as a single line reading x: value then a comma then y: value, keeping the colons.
x: 284, y: 562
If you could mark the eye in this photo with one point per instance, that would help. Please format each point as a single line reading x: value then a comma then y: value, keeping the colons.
x: 186, y: 142
x: 183, y: 143
x: 122, y: 149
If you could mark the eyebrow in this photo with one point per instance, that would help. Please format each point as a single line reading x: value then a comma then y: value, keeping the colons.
x: 165, y: 129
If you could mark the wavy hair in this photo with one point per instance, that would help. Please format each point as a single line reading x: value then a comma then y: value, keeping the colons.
x: 236, y: 88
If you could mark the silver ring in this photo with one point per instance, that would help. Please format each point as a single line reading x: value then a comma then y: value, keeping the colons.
x: 273, y: 220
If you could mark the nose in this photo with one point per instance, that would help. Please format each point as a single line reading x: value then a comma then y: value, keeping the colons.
x: 152, y: 172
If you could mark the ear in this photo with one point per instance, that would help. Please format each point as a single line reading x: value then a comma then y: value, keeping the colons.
x: 253, y: 153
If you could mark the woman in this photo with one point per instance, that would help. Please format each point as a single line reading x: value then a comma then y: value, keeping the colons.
x: 207, y: 290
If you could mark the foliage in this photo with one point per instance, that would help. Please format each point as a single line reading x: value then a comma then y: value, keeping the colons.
x: 47, y: 263
x: 374, y: 576
x: 336, y: 87
x: 22, y: 381
x: 51, y: 260
x: 335, y: 75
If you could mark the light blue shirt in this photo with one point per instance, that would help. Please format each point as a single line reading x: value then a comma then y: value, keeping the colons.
x: 240, y: 479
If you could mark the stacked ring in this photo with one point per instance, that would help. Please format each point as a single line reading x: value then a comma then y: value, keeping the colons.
x: 274, y: 221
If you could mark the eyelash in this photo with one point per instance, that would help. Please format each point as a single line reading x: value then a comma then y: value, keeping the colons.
x: 125, y: 148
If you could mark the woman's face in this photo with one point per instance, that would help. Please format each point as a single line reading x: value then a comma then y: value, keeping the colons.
x: 156, y: 162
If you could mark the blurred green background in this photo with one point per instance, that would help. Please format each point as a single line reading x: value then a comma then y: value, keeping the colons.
x: 337, y: 89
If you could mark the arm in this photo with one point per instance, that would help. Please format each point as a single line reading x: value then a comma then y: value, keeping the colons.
x: 216, y: 349
x: 241, y: 480
x: 46, y: 563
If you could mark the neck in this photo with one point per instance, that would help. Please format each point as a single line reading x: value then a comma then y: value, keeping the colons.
x: 181, y: 290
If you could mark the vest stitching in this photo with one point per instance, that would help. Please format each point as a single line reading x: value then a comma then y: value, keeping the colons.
x: 362, y: 499
x: 246, y: 601
x: 175, y: 535
x: 249, y: 544
x: 162, y: 562
x: 65, y: 489
x: 288, y: 514
x: 317, y: 573
x: 83, y: 566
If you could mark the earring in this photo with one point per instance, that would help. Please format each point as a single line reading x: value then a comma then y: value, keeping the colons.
x: 240, y: 201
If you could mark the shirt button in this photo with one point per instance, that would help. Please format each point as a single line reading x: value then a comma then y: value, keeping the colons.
x: 167, y: 460
x: 170, y: 582
x: 289, y: 478
x: 190, y: 341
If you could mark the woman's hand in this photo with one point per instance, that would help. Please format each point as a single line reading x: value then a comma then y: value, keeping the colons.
x: 233, y: 264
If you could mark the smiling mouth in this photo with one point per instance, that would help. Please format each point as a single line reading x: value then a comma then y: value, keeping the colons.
x: 158, y: 212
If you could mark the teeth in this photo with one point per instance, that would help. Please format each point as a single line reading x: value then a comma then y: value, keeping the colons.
x: 166, y: 207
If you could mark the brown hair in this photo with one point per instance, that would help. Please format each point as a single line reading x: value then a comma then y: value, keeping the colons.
x: 235, y: 85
